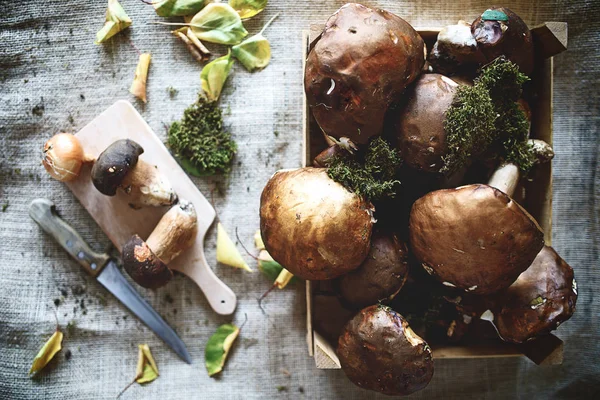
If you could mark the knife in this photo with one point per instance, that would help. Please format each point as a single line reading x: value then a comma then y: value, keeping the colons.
x: 104, y: 268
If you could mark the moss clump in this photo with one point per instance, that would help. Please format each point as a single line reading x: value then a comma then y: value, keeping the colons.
x: 374, y: 176
x: 486, y: 117
x: 199, y: 141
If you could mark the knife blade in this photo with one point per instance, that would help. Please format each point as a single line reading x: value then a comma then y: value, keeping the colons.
x: 102, y: 267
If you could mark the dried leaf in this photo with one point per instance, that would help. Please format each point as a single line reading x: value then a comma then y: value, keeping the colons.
x: 258, y: 242
x: 138, y: 87
x: 218, y: 346
x: 248, y: 8
x: 255, y: 52
x: 178, y: 8
x: 116, y: 20
x: 146, y: 370
x: 218, y: 23
x: 196, y: 52
x: 47, y: 352
x: 214, y: 74
x: 283, y: 278
x: 227, y: 253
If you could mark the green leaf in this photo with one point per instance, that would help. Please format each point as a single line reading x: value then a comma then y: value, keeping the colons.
x: 494, y: 15
x: 47, y: 352
x: 214, y: 74
x: 255, y: 52
x: 270, y: 268
x: 218, y: 23
x: 218, y: 346
x: 248, y: 8
x: 116, y: 20
x: 175, y: 8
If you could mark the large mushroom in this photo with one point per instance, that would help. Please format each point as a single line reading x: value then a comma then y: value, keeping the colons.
x: 474, y: 237
x: 313, y: 226
x: 147, y: 261
x: 357, y: 67
x: 119, y: 167
x: 379, y: 351
x: 381, y: 276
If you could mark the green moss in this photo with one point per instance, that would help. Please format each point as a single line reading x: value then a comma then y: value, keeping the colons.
x: 199, y: 141
x: 373, y: 176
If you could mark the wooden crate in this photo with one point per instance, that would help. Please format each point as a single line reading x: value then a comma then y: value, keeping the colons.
x: 550, y: 39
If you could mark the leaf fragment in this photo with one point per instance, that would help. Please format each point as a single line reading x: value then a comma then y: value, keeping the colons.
x: 280, y: 276
x: 194, y: 45
x: 47, y: 352
x: 248, y: 8
x: 178, y: 8
x: 218, y: 346
x: 227, y: 252
x: 214, y: 74
x: 218, y: 23
x: 255, y: 52
x: 283, y: 278
x: 138, y: 87
x: 116, y: 20
x: 146, y: 370
x: 258, y: 242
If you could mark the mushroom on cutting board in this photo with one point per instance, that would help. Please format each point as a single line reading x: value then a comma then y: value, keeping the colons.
x: 146, y: 261
x: 474, y: 237
x: 119, y: 167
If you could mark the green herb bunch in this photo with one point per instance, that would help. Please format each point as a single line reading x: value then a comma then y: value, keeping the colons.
x: 199, y: 141
x: 373, y: 177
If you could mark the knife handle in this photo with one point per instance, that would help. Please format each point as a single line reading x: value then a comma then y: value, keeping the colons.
x: 44, y: 213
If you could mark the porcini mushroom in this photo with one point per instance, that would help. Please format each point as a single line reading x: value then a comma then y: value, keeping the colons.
x: 455, y: 50
x: 379, y: 351
x: 147, y: 261
x: 358, y: 65
x: 312, y: 225
x: 474, y: 237
x: 119, y: 167
x: 381, y: 276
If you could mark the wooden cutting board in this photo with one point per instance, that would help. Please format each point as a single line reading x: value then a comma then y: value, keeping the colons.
x: 119, y: 221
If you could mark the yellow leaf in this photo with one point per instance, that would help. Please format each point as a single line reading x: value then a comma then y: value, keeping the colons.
x: 218, y: 346
x: 283, y: 278
x: 138, y: 87
x: 227, y: 253
x: 146, y: 370
x: 258, y: 242
x: 116, y: 20
x: 47, y: 352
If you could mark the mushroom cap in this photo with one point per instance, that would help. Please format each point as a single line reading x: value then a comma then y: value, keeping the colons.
x: 474, y: 237
x: 312, y: 225
x: 499, y: 31
x: 113, y: 164
x: 378, y: 351
x: 360, y: 63
x: 419, y: 126
x: 143, y: 266
x: 381, y: 275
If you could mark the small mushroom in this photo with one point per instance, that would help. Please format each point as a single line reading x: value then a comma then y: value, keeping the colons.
x: 379, y: 351
x: 324, y: 158
x: 146, y: 261
x: 381, y: 276
x: 455, y: 50
x: 499, y: 31
x: 474, y: 237
x: 119, y: 166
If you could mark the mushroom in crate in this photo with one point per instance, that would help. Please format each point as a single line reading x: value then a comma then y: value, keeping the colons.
x: 119, y: 167
x: 379, y: 351
x: 147, y: 261
x: 357, y: 67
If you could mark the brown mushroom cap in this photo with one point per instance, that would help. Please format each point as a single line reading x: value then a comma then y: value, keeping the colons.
x: 380, y: 276
x: 419, y: 127
x: 499, y: 31
x: 473, y: 237
x: 144, y: 267
x: 359, y: 64
x: 113, y: 164
x: 312, y: 225
x: 378, y: 351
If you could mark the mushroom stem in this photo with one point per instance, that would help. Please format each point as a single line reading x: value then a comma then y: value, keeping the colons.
x: 175, y: 232
x: 145, y: 186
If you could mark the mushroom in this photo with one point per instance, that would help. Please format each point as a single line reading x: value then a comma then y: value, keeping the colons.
x: 357, y: 67
x: 119, y: 166
x: 499, y: 31
x: 379, y: 351
x: 146, y: 261
x: 324, y: 158
x: 313, y: 226
x: 381, y: 276
x: 474, y: 237
x: 455, y: 50
x: 542, y: 297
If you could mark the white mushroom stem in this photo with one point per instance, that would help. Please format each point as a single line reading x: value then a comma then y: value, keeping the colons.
x: 175, y: 232
x: 145, y: 186
x: 506, y: 177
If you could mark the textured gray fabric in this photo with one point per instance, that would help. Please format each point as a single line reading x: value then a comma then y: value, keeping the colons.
x: 53, y: 78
